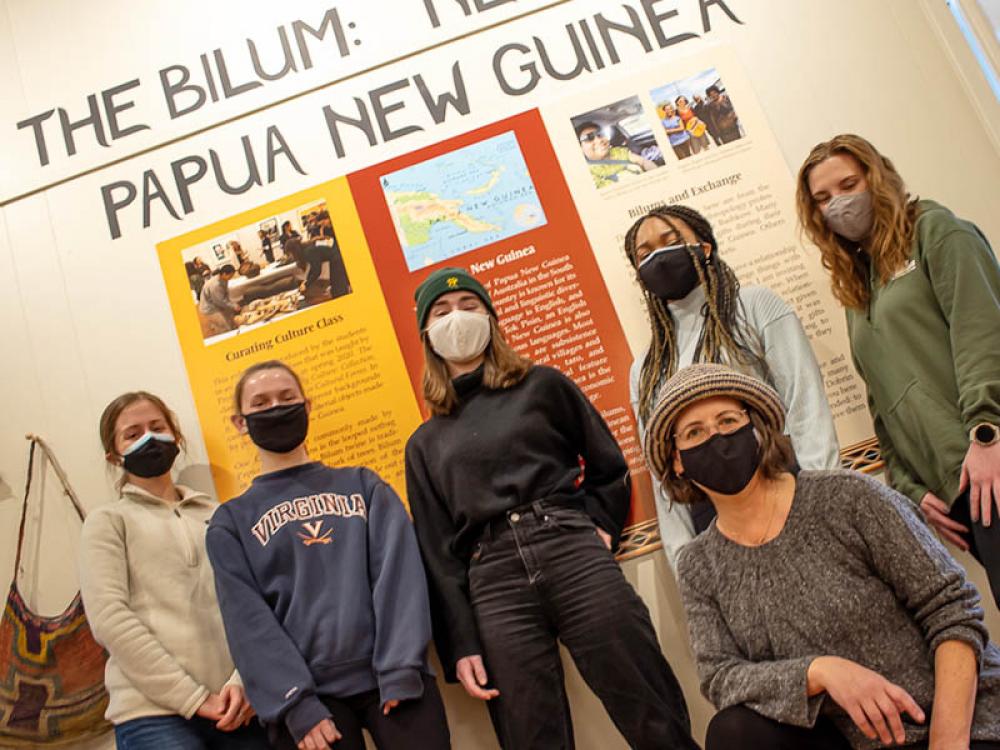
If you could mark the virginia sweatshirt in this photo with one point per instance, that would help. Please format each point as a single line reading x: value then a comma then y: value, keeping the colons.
x: 322, y: 591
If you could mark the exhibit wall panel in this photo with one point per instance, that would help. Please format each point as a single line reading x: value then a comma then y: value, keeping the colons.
x: 94, y: 301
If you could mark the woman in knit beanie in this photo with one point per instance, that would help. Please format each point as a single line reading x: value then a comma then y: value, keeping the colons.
x: 519, y: 493
x: 822, y: 611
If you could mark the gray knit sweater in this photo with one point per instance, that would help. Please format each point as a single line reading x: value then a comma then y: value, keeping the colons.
x: 854, y: 573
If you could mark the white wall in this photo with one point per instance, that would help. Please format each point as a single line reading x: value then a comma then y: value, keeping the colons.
x: 85, y: 319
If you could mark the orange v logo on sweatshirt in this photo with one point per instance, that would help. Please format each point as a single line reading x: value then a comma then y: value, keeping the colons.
x: 314, y: 537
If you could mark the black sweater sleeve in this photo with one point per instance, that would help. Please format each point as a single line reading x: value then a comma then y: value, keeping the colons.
x: 606, y: 483
x: 454, y: 625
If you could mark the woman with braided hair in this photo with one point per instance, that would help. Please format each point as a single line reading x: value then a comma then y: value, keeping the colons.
x: 698, y: 312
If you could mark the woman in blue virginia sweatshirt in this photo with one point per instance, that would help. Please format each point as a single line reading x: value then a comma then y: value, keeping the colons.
x: 321, y: 589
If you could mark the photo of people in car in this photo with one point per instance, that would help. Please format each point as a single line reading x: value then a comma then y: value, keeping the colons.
x: 697, y: 114
x: 617, y: 142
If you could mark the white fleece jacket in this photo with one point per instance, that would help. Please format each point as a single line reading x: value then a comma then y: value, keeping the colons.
x: 149, y: 594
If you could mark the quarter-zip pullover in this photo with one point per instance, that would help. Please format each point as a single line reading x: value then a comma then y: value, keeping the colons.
x: 149, y: 594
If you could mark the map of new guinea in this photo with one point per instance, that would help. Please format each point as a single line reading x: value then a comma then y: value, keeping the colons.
x: 464, y: 199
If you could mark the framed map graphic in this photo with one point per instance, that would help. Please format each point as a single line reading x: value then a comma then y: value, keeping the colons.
x: 462, y: 200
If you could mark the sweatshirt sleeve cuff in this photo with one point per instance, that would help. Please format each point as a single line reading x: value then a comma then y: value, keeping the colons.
x: 234, y: 679
x: 304, y: 715
x: 468, y: 646
x: 400, y: 685
x: 814, y: 703
x: 192, y: 704
x: 970, y: 635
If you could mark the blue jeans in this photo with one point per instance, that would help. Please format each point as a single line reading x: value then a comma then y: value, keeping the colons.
x: 178, y: 733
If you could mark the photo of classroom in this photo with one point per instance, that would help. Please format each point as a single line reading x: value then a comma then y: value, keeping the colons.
x: 264, y: 271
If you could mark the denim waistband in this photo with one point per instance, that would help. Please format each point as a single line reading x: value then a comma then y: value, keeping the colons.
x: 499, y: 524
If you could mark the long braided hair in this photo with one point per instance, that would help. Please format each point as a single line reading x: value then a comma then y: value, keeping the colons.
x: 724, y: 333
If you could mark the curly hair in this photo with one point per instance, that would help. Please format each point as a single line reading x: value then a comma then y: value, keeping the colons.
x: 724, y: 337
x: 888, y: 243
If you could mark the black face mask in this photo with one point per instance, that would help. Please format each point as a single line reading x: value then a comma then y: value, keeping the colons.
x: 279, y: 429
x: 723, y: 463
x: 669, y: 273
x: 150, y: 456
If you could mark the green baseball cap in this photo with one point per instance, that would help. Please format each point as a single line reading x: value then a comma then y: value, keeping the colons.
x: 446, y: 280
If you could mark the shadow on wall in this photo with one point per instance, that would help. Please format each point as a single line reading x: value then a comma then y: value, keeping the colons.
x: 8, y: 522
x: 5, y: 490
x: 198, y: 477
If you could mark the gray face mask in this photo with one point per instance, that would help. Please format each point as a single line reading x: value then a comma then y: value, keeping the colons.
x: 851, y: 216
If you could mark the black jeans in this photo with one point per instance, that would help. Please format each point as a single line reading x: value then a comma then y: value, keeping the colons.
x: 416, y: 723
x: 984, y: 541
x: 739, y: 727
x: 541, y: 576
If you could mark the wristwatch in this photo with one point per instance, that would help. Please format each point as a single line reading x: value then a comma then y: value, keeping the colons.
x: 984, y: 434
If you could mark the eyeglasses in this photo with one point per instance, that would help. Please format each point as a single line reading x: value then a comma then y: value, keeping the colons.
x: 696, y: 433
x: 593, y: 135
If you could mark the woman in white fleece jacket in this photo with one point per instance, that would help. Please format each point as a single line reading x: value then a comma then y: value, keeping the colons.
x: 149, y: 593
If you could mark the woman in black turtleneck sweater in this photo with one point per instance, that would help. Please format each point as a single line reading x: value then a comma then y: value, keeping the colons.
x: 519, y: 493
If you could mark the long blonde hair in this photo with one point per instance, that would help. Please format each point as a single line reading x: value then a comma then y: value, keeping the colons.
x: 503, y: 368
x: 895, y: 214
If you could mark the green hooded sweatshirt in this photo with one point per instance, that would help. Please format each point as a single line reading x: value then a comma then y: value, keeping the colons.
x: 928, y: 347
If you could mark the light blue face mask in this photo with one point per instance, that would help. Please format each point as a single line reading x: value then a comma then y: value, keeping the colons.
x: 149, y: 435
x: 152, y: 455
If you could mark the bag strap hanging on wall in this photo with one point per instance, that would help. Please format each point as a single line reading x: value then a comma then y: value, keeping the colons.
x: 52, y: 690
x: 50, y: 458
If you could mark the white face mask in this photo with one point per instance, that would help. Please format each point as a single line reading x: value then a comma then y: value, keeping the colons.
x: 460, y: 335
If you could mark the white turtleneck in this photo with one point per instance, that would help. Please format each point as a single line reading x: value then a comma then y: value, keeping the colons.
x: 794, y: 374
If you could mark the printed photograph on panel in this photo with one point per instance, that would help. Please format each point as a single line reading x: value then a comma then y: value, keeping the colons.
x: 697, y: 114
x: 617, y: 142
x: 265, y: 271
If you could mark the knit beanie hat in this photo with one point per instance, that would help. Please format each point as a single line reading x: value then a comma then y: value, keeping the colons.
x: 696, y: 383
x: 448, y: 280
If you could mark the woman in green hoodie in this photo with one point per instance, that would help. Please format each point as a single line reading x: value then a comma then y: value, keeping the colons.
x: 922, y: 292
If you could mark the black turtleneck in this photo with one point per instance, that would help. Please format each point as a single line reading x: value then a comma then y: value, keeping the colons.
x: 497, y: 450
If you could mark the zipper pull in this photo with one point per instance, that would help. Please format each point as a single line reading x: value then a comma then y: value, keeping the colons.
x: 177, y: 513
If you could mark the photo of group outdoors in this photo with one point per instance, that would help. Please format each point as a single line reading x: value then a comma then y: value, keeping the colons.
x: 697, y: 114
x: 262, y: 272
x: 617, y: 142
